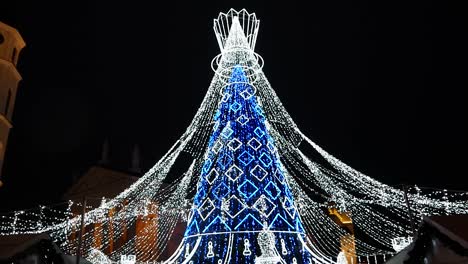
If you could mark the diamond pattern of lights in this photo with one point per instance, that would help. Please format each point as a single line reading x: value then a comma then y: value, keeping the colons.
x: 265, y: 159
x: 217, y: 146
x: 234, y: 144
x: 221, y: 191
x: 227, y: 132
x: 215, y: 126
x: 246, y: 94
x: 235, y: 206
x: 212, y: 176
x: 246, y: 188
x: 224, y: 160
x: 264, y: 205
x: 289, y: 207
x: 207, y: 165
x: 233, y: 173
x: 259, y: 132
x: 271, y: 147
x: 279, y: 175
x: 206, y: 209
x: 235, y: 107
x: 272, y: 190
x: 254, y: 143
x: 242, y: 119
x: 217, y: 114
x: 226, y: 97
x: 201, y: 192
x: 259, y: 111
x: 245, y: 158
x: 259, y: 172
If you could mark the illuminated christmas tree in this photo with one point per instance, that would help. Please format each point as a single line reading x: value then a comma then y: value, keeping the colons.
x: 243, y: 209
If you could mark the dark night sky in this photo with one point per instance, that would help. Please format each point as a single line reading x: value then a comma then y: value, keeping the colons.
x: 379, y: 85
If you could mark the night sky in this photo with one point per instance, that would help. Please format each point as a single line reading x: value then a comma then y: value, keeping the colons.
x: 380, y: 85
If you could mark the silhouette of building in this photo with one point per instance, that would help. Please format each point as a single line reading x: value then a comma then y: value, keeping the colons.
x: 30, y: 248
x: 11, y: 44
x: 104, y: 181
x: 439, y: 239
x: 347, y: 242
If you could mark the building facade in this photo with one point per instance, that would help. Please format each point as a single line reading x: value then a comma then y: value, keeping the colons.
x: 11, y: 44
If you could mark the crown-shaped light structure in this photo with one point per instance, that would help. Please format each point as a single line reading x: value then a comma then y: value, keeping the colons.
x: 248, y: 23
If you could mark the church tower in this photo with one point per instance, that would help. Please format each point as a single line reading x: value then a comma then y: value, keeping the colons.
x: 11, y: 44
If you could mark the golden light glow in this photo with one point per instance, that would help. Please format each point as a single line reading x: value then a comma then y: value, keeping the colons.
x: 342, y: 217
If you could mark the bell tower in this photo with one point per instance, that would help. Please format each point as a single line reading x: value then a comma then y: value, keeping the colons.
x: 11, y: 44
